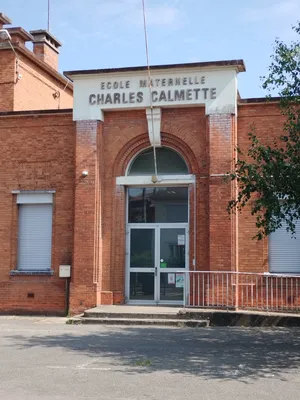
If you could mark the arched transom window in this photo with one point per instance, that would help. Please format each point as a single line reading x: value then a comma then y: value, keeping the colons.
x: 169, y: 162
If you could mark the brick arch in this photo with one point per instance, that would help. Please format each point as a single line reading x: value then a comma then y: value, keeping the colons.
x: 183, y: 149
x: 131, y: 148
x: 141, y: 142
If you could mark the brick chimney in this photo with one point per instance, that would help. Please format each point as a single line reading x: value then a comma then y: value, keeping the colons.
x: 4, y: 20
x: 45, y: 47
x: 19, y: 36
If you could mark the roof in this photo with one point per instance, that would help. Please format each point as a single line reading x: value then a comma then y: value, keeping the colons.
x: 36, y: 112
x: 43, y: 65
x: 238, y: 64
x: 255, y: 100
x: 4, y: 20
x: 20, y: 32
x: 41, y: 34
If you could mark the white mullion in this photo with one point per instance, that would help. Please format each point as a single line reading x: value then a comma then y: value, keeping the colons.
x: 157, y: 262
x: 127, y: 264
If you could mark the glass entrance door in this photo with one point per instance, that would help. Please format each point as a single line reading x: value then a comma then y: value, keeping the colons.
x: 173, y: 263
x: 142, y: 264
x: 157, y: 244
x: 157, y: 258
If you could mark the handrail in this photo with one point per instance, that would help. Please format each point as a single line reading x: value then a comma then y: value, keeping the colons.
x: 242, y: 290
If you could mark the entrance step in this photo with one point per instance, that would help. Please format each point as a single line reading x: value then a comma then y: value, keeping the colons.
x: 181, y: 323
x: 135, y: 315
x: 120, y: 315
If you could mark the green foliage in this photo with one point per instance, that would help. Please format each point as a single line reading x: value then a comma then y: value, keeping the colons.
x: 143, y: 363
x: 142, y: 260
x: 270, y: 181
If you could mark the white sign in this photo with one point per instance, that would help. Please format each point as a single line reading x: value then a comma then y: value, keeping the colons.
x: 95, y: 93
x: 179, y: 280
x: 163, y: 90
x: 181, y: 240
x: 171, y: 279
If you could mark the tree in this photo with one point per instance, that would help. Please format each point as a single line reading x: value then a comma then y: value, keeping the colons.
x: 270, y: 181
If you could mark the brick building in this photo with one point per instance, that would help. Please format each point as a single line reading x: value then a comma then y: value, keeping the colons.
x: 128, y: 186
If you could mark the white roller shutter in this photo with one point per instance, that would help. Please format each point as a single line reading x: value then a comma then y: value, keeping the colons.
x: 284, y: 251
x: 34, y: 198
x: 35, y: 237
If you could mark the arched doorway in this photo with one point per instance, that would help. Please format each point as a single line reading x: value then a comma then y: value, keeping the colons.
x: 157, y: 228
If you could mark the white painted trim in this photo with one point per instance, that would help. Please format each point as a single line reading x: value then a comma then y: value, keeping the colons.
x: 34, y: 198
x: 163, y: 180
x: 33, y: 191
x: 218, y: 92
x: 218, y: 175
x: 165, y: 71
x: 154, y: 126
x: 162, y: 225
x: 281, y: 274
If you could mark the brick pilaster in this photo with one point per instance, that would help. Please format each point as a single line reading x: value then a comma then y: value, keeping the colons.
x: 86, y: 275
x: 222, y: 226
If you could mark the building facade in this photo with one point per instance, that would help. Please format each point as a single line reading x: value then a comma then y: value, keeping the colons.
x: 127, y: 187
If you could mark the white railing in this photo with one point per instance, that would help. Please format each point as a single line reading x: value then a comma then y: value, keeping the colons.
x: 242, y: 290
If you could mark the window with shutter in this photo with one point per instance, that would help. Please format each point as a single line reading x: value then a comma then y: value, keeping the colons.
x: 35, y: 232
x: 284, y: 251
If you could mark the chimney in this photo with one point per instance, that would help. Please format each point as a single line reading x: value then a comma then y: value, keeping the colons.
x: 4, y: 20
x: 19, y: 36
x: 45, y: 47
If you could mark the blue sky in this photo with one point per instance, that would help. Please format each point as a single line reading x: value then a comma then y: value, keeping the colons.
x: 109, y: 33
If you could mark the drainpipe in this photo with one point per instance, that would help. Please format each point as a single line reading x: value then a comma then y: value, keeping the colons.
x: 67, y: 296
x: 65, y: 272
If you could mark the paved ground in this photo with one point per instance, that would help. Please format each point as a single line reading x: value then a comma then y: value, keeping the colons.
x: 46, y: 359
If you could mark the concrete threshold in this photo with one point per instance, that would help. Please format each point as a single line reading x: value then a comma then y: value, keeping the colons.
x: 178, y: 316
x: 180, y: 323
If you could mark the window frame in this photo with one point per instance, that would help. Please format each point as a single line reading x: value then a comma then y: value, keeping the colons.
x: 29, y: 197
x: 136, y: 156
x: 297, y: 239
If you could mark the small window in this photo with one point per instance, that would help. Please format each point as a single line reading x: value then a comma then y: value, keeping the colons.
x: 34, y: 232
x: 284, y: 250
x: 168, y: 163
x: 158, y: 204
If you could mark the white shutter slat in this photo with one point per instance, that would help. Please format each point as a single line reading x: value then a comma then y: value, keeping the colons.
x: 34, y: 198
x: 35, y: 237
x: 284, y: 251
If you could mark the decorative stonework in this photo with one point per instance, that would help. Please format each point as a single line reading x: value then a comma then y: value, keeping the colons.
x: 154, y: 125
x: 139, y: 143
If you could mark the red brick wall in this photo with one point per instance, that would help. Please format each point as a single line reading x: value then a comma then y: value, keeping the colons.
x: 34, y: 90
x: 47, y: 54
x: 37, y: 154
x: 7, y: 79
x: 221, y: 227
x: 268, y: 122
x: 86, y: 279
x: 106, y: 150
x: 50, y: 152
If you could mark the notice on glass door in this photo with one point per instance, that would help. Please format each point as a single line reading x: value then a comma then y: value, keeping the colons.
x: 180, y: 240
x: 179, y: 280
x: 171, y: 279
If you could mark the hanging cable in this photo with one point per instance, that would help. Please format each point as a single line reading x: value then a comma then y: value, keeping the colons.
x: 150, y: 87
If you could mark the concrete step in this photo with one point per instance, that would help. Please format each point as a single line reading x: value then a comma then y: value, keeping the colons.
x: 195, y: 323
x: 119, y: 315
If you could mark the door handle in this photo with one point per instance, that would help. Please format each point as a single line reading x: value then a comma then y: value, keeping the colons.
x: 155, y: 272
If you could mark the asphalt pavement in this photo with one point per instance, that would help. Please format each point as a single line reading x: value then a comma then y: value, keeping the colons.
x: 43, y: 358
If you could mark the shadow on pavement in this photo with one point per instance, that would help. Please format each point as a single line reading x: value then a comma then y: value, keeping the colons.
x: 222, y: 353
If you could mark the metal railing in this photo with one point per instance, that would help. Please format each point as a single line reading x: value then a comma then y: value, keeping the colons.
x: 242, y: 290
